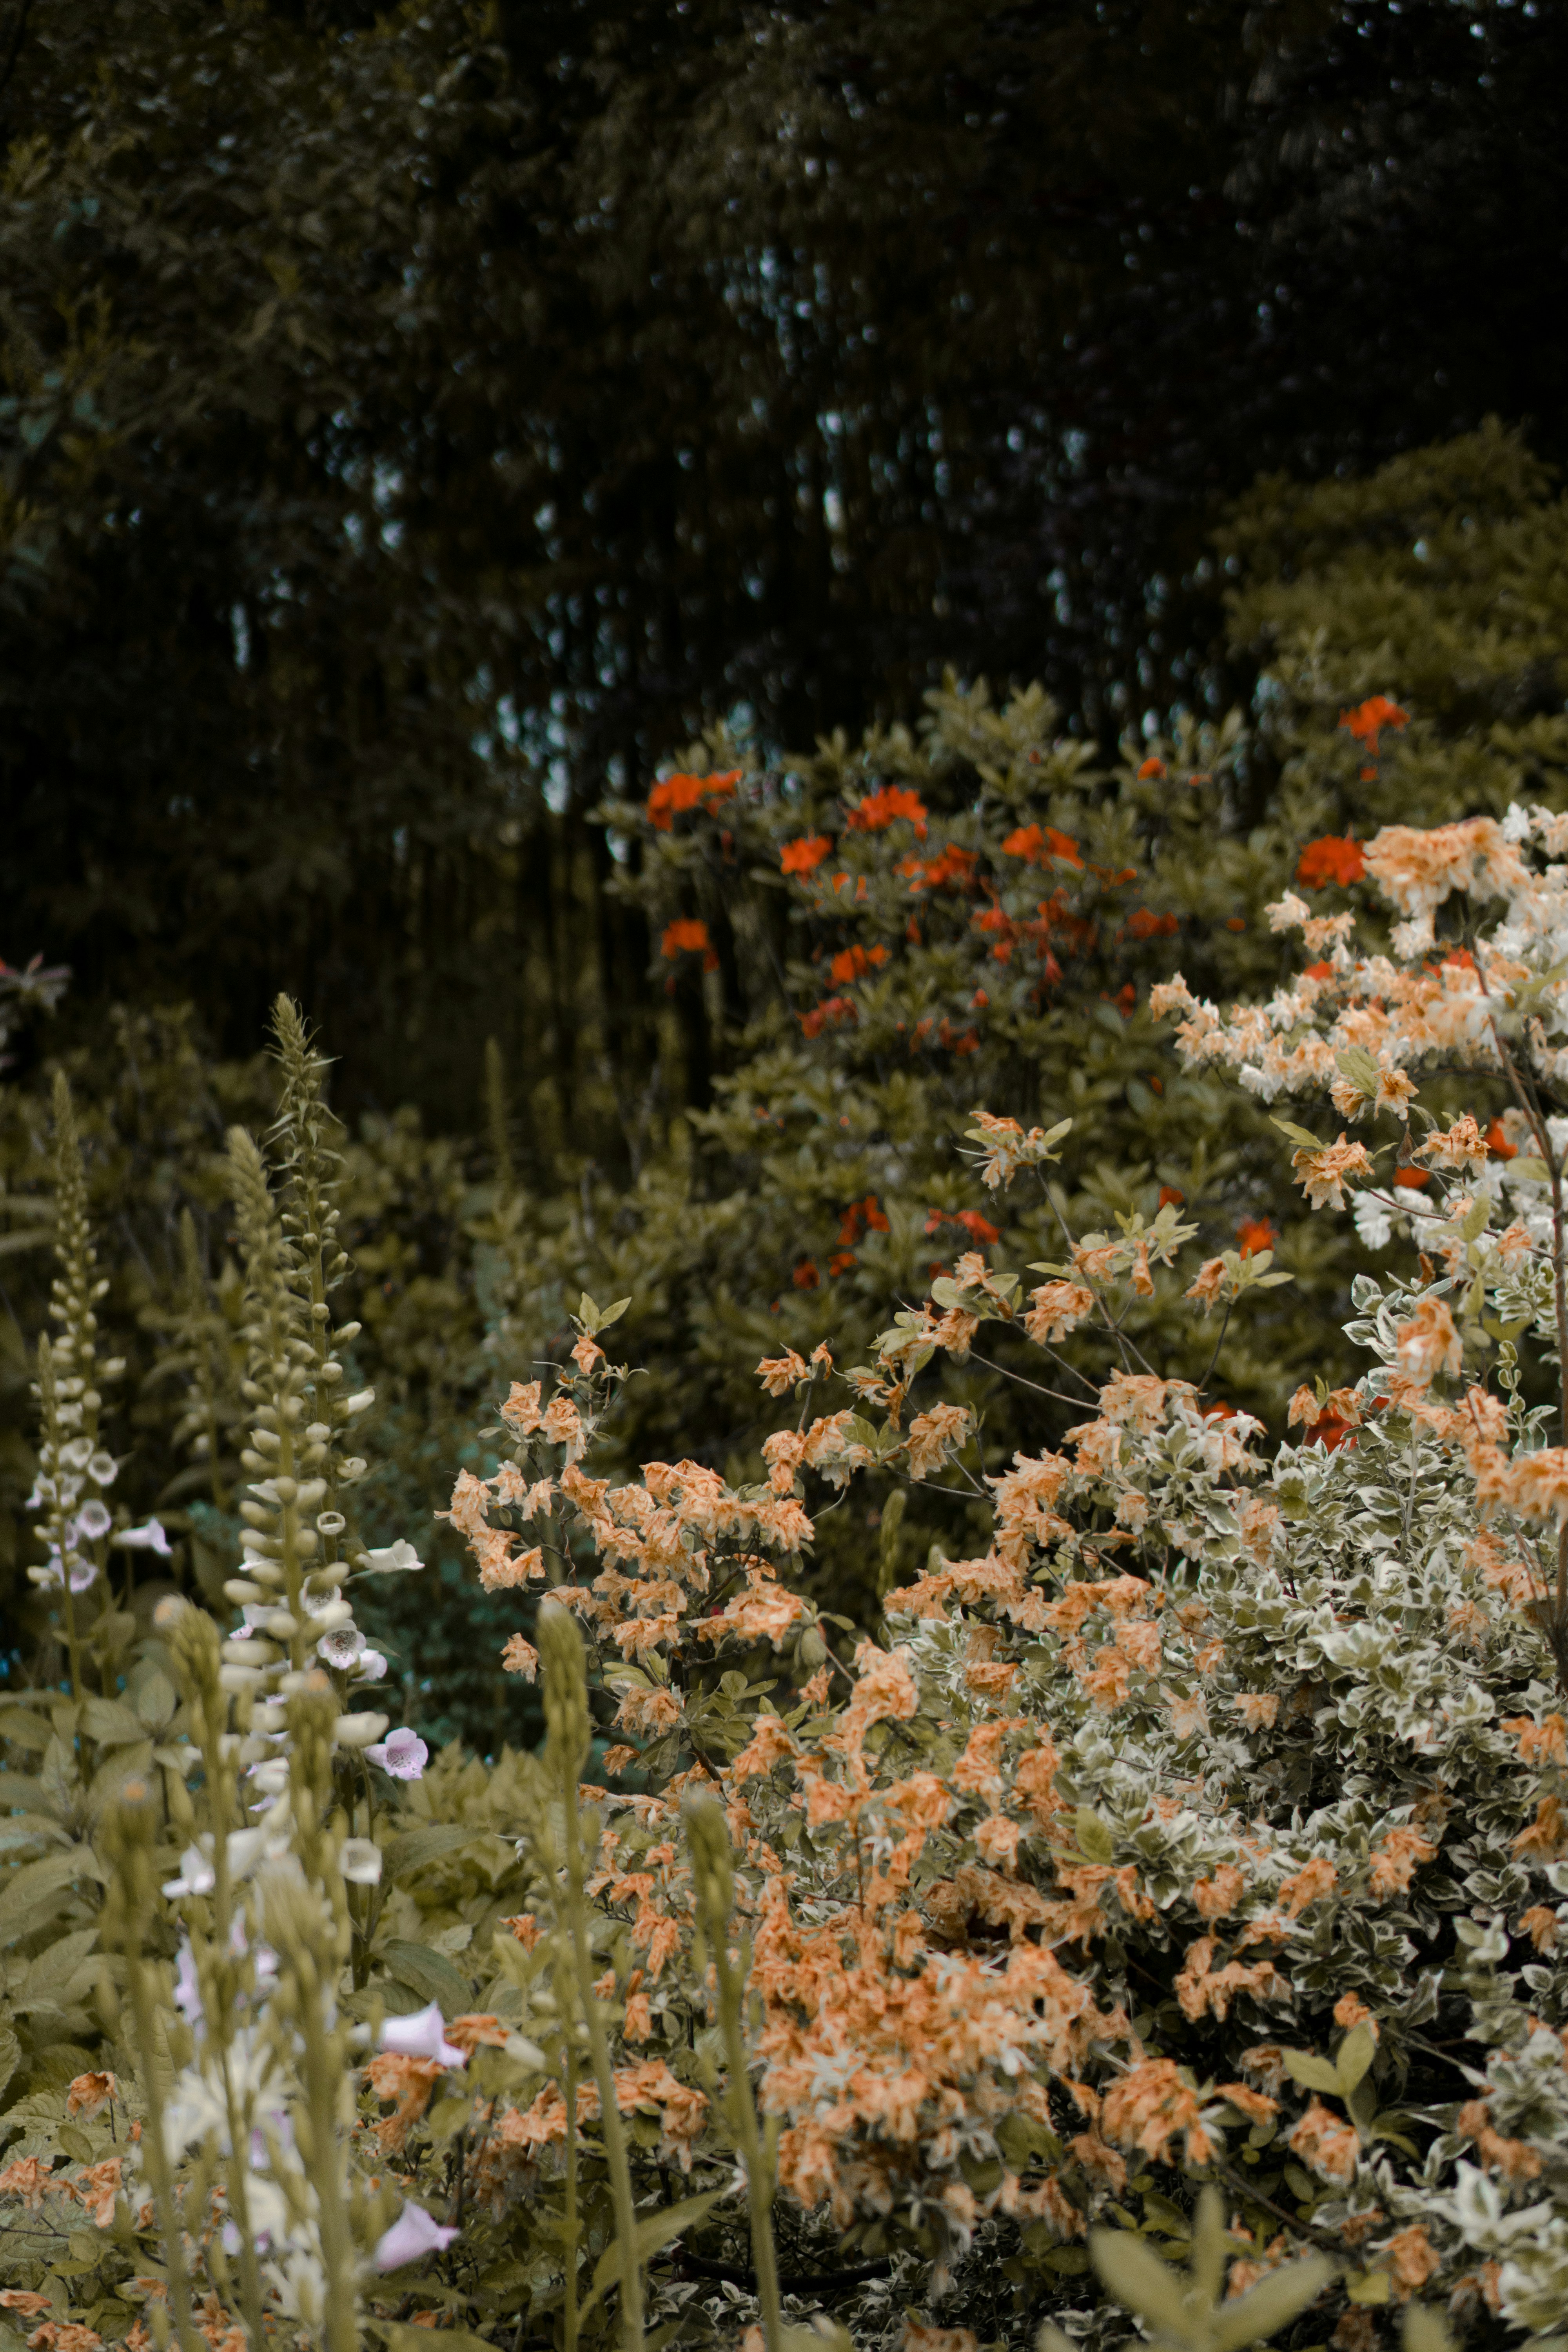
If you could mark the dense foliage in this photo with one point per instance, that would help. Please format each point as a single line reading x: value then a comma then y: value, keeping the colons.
x: 1019, y: 975
x: 1171, y: 1887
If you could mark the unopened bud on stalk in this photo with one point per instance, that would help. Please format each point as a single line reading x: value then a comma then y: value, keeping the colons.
x: 565, y: 1685
x: 358, y: 1730
x: 712, y: 1862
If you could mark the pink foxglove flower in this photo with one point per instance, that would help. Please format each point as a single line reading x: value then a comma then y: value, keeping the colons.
x: 404, y: 1755
x: 149, y: 1537
x: 422, y: 2035
x: 412, y: 2235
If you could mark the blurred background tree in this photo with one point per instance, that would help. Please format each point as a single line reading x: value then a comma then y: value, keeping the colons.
x: 416, y: 425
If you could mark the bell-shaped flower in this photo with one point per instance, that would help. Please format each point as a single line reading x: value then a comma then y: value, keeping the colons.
x: 394, y: 1559
x: 370, y: 1666
x: 415, y: 2232
x: 341, y: 1647
x: 360, y: 1862
x: 196, y: 1877
x: 404, y: 1754
x: 92, y: 1520
x: 422, y: 2035
x: 149, y: 1537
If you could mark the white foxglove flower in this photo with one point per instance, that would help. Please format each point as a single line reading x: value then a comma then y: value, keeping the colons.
x: 404, y: 1755
x: 393, y: 1559
x: 103, y: 1467
x: 360, y: 1862
x: 341, y: 1647
x: 196, y: 1877
x: 93, y: 1520
x: 149, y: 1537
x: 422, y: 2035
x: 77, y: 1454
x: 413, y: 2233
x: 370, y: 1666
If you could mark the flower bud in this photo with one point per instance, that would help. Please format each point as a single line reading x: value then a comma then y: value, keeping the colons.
x: 358, y: 1730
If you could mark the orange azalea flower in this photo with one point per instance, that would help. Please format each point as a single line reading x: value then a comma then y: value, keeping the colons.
x: 87, y: 2092
x: 803, y: 856
x: 1334, y: 858
x: 407, y: 2083
x: 1394, y: 1862
x: 673, y: 795
x: 1255, y: 1235
x: 882, y: 808
x: 1326, y: 2145
x: 852, y: 964
x: 1411, y: 2259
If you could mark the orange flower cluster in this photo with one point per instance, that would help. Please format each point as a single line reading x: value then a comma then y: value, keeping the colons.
x: 884, y: 807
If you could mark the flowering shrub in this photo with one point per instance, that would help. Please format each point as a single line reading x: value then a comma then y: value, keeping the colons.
x: 1201, y: 1830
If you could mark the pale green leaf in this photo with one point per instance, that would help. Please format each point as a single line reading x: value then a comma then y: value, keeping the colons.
x: 1313, y: 2074
x: 1272, y: 2303
x: 1134, y: 2274
x: 654, y: 2232
x: 1355, y: 2056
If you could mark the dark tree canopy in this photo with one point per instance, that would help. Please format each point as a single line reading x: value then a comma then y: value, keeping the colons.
x: 412, y: 425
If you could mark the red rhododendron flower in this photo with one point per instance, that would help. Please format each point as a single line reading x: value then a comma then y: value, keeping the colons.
x: 1498, y: 1143
x: 950, y: 864
x: 805, y: 1276
x: 881, y: 807
x: 674, y: 794
x: 689, y: 935
x: 1143, y: 925
x: 1368, y: 720
x: 1256, y: 1234
x: 803, y: 855
x: 1150, y: 768
x: 1038, y: 842
x: 1331, y: 859
x: 852, y: 964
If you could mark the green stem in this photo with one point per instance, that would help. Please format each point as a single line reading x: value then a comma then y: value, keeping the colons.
x: 604, y: 2075
x: 759, y: 2168
x: 569, y: 2313
x: 154, y: 2154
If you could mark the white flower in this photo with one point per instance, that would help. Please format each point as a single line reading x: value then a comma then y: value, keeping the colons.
x: 1373, y: 1220
x: 196, y: 1877
x: 370, y: 1666
x: 103, y: 1467
x: 404, y: 1755
x: 422, y: 2035
x: 93, y: 1520
x: 394, y: 1559
x: 412, y: 2235
x: 148, y: 1537
x: 342, y: 1646
x: 360, y: 1862
x: 78, y: 1453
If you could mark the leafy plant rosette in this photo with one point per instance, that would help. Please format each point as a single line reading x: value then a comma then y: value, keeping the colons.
x: 1177, y: 1878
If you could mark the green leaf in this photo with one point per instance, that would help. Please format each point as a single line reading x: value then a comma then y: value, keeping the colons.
x: 406, y: 1856
x: 10, y: 2055
x: 40, y: 1889
x: 1312, y: 2073
x: 1425, y: 2330
x: 1355, y: 2056
x: 17, y: 1723
x: 1275, y: 2300
x: 614, y: 1314
x: 428, y: 1973
x: 1368, y: 2286
x: 1093, y: 1837
x: 76, y: 2143
x: 1354, y: 1063
x: 401, y: 2338
x: 653, y: 2233
x: 110, y: 1723
x: 587, y: 1313
x: 1299, y: 1134
x: 1134, y: 2274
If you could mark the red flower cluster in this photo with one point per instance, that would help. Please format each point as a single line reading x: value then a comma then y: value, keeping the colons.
x: 834, y: 1009
x: 1142, y: 924
x: 1037, y: 843
x: 853, y: 963
x: 803, y: 856
x: 1368, y: 720
x: 688, y: 935
x: 881, y: 808
x: 981, y: 1230
x: 1332, y: 857
x: 672, y: 795
x: 952, y: 865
